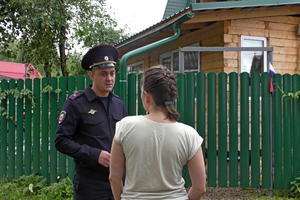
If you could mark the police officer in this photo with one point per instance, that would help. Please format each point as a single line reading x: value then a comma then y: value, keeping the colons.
x: 86, y: 125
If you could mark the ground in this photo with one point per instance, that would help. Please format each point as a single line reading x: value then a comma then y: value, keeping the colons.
x: 232, y: 194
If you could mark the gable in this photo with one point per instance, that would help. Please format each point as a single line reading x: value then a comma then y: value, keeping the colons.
x: 174, y: 6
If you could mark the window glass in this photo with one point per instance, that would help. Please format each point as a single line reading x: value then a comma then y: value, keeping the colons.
x: 253, y: 61
x: 167, y: 62
x: 171, y: 60
x: 136, y: 67
x: 191, y: 61
x: 176, y: 61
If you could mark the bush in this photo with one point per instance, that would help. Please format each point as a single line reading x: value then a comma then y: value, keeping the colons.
x: 34, y: 187
x: 295, y: 188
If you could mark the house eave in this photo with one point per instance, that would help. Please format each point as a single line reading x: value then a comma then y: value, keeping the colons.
x: 156, y: 28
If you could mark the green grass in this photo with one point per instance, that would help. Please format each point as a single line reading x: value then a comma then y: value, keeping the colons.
x: 35, y: 188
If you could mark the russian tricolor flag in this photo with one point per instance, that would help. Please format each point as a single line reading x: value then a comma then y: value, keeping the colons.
x: 271, y: 72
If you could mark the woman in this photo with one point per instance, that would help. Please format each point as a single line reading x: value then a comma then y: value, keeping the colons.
x: 155, y: 147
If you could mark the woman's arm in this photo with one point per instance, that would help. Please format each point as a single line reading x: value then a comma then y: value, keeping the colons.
x: 197, y: 173
x: 117, y: 165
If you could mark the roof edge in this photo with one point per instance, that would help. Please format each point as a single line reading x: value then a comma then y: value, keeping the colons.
x: 166, y: 23
x: 240, y: 4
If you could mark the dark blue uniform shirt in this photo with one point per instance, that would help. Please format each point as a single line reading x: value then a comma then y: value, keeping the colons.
x: 85, y: 129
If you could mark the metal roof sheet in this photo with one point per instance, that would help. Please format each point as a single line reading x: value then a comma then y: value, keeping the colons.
x: 211, y: 6
x: 173, y: 6
x: 240, y: 4
x: 17, y: 70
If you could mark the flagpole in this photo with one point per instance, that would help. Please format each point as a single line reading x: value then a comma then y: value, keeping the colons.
x: 271, y: 90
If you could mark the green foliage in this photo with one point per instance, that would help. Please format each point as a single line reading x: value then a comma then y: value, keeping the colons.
x: 24, y: 93
x: 295, y: 188
x: 35, y: 188
x: 293, y: 95
x: 60, y: 190
x: 44, y: 32
x: 49, y: 88
x: 74, y: 65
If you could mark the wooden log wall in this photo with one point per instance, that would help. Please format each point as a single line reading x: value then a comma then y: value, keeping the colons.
x: 281, y: 34
x: 211, y: 35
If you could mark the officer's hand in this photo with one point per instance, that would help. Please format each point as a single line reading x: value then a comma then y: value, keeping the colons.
x: 104, y: 158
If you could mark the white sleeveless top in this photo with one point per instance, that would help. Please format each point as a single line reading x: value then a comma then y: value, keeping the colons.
x: 155, y: 154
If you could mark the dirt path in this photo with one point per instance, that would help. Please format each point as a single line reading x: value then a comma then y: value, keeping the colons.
x: 232, y: 193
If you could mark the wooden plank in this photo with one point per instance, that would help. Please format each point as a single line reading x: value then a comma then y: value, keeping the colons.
x: 244, y: 129
x: 228, y: 38
x: 36, y: 126
x: 277, y: 131
x: 255, y: 131
x: 193, y: 37
x: 287, y: 139
x: 282, y: 34
x: 248, y: 31
x: 266, y: 142
x: 285, y: 50
x: 284, y: 58
x: 20, y: 131
x: 211, y: 130
x: 248, y: 23
x: 283, y: 42
x: 45, y: 130
x: 3, y: 131
x: 230, y: 69
x: 230, y: 55
x: 28, y: 129
x: 233, y: 130
x: 11, y: 130
x: 233, y: 63
x: 296, y: 128
x: 283, y: 26
x: 201, y: 106
x: 284, y: 65
x: 222, y: 131
x: 233, y: 44
x: 52, y: 130
x: 281, y: 19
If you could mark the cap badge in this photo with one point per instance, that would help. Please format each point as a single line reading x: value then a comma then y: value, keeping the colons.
x: 92, y: 111
x: 106, y: 58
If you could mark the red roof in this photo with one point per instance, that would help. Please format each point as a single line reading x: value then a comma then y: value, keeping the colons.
x: 18, y: 70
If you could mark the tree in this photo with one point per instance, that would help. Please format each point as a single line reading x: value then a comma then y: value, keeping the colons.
x: 45, y: 31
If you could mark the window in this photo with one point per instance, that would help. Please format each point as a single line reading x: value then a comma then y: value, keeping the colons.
x: 136, y: 67
x: 253, y: 61
x: 171, y: 60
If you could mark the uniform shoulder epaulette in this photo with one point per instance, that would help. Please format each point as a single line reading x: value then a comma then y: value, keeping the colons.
x: 75, y: 95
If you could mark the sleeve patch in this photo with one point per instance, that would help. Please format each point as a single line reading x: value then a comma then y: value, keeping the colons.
x: 75, y: 95
x: 62, y: 116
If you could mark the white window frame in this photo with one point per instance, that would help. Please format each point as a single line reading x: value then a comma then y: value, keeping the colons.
x: 181, y: 69
x: 264, y: 40
x: 137, y: 64
x: 170, y: 55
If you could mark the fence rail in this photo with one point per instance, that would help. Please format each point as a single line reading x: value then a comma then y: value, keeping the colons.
x: 251, y: 137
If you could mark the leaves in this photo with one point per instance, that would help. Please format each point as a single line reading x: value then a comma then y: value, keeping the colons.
x: 43, y: 32
x: 295, y: 188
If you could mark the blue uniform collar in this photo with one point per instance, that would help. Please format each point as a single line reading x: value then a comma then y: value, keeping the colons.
x: 91, y: 95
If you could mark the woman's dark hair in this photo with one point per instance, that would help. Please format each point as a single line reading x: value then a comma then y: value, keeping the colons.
x: 161, y: 84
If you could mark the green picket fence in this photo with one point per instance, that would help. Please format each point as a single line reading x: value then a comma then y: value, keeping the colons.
x: 251, y: 138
